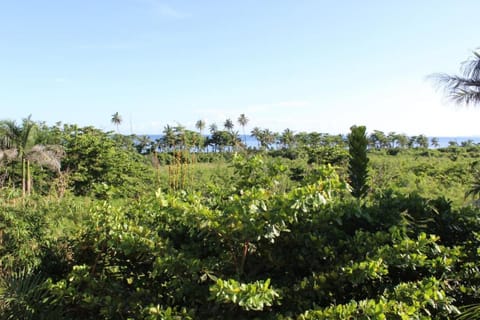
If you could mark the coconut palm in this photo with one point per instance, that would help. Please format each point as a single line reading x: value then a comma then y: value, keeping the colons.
x: 144, y: 144
x: 213, y: 128
x: 287, y: 138
x: 200, y: 125
x: 242, y: 121
x: 181, y: 138
x: 168, y: 139
x: 228, y: 125
x: 256, y: 133
x: 465, y: 88
x: 116, y: 119
x: 265, y: 137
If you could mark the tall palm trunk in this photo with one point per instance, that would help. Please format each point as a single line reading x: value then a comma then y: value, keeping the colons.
x: 24, y: 184
x: 26, y: 177
x: 29, y: 179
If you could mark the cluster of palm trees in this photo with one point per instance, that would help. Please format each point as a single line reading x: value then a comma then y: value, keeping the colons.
x: 379, y: 140
x: 227, y: 139
x: 178, y: 137
x: 462, y: 89
x: 20, y: 145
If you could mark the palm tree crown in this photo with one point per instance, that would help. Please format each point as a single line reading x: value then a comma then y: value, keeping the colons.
x: 116, y: 119
x: 242, y: 121
x: 228, y: 124
x: 213, y: 128
x: 465, y: 88
x: 200, y: 125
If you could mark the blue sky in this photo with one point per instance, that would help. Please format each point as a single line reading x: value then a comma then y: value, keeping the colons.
x: 305, y: 65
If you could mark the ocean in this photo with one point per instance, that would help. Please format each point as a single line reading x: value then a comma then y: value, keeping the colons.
x: 445, y: 141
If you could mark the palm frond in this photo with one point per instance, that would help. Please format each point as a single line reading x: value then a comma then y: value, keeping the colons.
x: 470, y: 312
x: 27, y: 133
x: 465, y: 88
x: 471, y: 67
x: 8, y: 155
x: 22, y: 296
x: 49, y: 156
x: 10, y: 134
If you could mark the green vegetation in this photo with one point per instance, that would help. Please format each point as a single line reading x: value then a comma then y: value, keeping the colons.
x: 98, y: 225
x: 358, y: 163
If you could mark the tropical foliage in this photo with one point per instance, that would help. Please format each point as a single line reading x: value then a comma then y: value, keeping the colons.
x: 125, y: 227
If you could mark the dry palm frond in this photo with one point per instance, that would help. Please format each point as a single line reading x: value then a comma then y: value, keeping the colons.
x: 48, y: 156
x: 8, y: 155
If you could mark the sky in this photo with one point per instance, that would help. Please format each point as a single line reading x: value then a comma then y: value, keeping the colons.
x: 306, y: 65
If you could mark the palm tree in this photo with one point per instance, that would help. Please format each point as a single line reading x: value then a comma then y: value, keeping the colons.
x: 402, y: 140
x: 213, y: 128
x: 256, y: 132
x: 168, y: 139
x: 463, y: 88
x: 18, y: 137
x: 242, y: 121
x: 267, y: 138
x: 116, y: 119
x: 287, y: 138
x: 228, y: 125
x: 422, y: 141
x: 144, y: 144
x: 378, y: 139
x: 17, y: 142
x: 392, y: 139
x: 264, y: 137
x: 200, y: 125
x: 180, y: 136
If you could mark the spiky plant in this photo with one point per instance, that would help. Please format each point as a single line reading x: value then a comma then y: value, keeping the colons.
x: 23, y: 295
